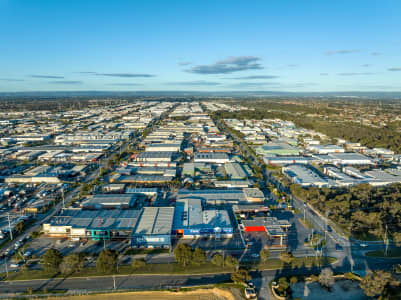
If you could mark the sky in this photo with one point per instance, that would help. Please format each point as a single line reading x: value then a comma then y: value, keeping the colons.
x: 267, y: 45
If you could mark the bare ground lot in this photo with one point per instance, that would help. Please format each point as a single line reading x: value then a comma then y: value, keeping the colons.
x: 201, y: 294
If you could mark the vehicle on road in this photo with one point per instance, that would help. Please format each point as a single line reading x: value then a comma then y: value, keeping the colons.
x: 250, y: 293
x: 15, y: 265
x: 339, y: 247
x: 363, y: 245
x: 329, y: 229
x: 255, y: 255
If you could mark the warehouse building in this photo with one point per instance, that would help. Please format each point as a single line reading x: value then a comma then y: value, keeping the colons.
x: 95, y: 225
x: 156, y: 156
x: 110, y: 201
x: 277, y: 149
x: 192, y: 221
x: 325, y: 149
x: 154, y: 228
x: 288, y: 160
x: 304, y: 176
x: 163, y: 147
x: 234, y: 171
x: 214, y: 196
x: 218, y: 158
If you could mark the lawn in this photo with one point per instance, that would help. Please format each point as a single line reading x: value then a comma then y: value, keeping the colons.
x: 173, y: 268
x: 392, y: 253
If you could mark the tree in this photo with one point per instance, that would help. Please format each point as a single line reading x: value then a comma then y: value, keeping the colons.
x: 231, y: 262
x: 138, y: 263
x: 293, y: 280
x: 19, y: 227
x: 287, y: 257
x: 183, y: 254
x: 217, y: 260
x: 264, y: 255
x: 283, y: 286
x: 397, y: 238
x: 375, y: 283
x: 72, y: 263
x: 51, y: 260
x: 107, y: 261
x: 240, y: 276
x: 199, y: 256
x: 326, y: 278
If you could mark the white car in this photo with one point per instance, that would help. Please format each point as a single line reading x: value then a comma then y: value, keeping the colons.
x: 250, y: 293
x: 14, y: 265
x: 363, y: 245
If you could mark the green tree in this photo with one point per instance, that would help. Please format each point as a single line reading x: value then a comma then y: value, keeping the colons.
x: 138, y: 263
x: 375, y: 283
x: 264, y: 255
x: 240, y: 276
x: 397, y: 238
x: 283, y: 286
x: 72, y: 263
x: 293, y: 280
x: 287, y: 257
x: 231, y: 262
x: 198, y: 256
x: 51, y: 260
x: 217, y: 260
x: 19, y: 227
x: 107, y: 261
x: 183, y: 254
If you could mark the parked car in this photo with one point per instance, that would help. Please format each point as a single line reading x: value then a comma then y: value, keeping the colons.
x: 15, y: 265
x: 250, y: 293
x: 363, y: 245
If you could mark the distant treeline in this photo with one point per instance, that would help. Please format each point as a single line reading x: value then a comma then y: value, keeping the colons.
x: 369, y: 136
x: 362, y: 210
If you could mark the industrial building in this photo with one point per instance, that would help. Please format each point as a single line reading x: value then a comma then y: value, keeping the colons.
x: 304, y: 176
x: 288, y: 160
x: 110, y: 201
x: 234, y: 171
x: 154, y: 228
x: 156, y: 156
x: 162, y: 147
x: 214, y: 196
x: 80, y: 224
x: 218, y: 158
x: 192, y: 221
x: 277, y: 149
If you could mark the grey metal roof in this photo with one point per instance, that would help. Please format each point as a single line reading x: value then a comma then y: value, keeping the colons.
x: 155, y: 220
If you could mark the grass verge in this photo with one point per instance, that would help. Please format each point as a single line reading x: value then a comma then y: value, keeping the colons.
x: 173, y: 269
x: 392, y: 253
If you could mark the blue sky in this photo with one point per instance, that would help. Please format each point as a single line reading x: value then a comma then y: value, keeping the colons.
x: 271, y: 45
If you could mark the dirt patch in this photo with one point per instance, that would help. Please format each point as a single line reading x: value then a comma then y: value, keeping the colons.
x: 201, y: 294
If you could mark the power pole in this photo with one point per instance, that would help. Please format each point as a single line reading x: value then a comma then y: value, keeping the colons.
x: 386, y: 240
x: 6, y: 268
x: 62, y: 195
x: 9, y: 226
